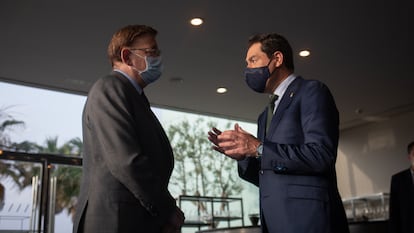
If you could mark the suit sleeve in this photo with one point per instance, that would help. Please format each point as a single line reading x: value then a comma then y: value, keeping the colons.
x: 307, y: 136
x: 109, y: 116
x: 248, y: 169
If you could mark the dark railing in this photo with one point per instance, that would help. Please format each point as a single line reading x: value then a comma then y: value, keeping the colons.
x: 46, y: 161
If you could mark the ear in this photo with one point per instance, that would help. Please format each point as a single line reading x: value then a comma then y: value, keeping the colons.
x: 125, y: 56
x: 278, y: 56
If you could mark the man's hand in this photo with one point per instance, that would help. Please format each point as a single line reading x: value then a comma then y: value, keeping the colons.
x: 237, y: 144
x: 175, y: 222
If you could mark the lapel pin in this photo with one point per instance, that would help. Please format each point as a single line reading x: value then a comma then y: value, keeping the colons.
x: 292, y: 94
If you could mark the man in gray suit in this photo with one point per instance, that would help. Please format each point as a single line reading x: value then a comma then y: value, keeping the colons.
x: 128, y: 159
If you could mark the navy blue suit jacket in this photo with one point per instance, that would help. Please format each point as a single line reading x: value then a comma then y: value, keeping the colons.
x: 296, y: 173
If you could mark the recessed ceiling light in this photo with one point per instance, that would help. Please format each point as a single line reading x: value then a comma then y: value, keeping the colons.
x: 304, y: 53
x: 196, y: 21
x: 221, y: 90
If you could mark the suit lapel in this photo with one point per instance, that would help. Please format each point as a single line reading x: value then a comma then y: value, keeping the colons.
x: 409, y: 183
x: 262, y: 125
x: 144, y: 97
x: 287, y: 98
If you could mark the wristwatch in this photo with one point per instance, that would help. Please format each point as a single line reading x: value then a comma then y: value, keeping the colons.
x: 259, y: 150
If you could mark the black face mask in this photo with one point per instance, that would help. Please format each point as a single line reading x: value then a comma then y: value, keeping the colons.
x: 256, y: 78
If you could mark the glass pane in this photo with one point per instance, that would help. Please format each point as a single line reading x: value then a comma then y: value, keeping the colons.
x: 65, y: 184
x: 19, y: 195
x: 41, y: 113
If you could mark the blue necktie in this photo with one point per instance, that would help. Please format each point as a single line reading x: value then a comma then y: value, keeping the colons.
x: 270, y: 110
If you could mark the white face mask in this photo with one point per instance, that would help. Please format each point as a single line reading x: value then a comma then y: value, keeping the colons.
x: 153, y: 68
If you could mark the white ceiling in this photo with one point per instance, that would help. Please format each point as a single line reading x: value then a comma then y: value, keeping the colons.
x: 361, y: 49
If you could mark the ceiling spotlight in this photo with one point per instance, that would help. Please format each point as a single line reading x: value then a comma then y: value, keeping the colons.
x: 196, y: 21
x: 304, y: 53
x: 221, y: 90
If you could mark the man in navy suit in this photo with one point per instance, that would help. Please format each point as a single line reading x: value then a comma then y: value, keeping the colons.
x: 293, y: 158
x: 401, y: 218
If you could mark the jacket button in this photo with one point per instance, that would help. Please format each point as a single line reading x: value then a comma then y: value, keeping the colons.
x: 261, y: 172
x: 280, y: 169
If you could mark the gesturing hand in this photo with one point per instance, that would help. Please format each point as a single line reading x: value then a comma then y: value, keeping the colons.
x: 175, y: 222
x: 212, y: 136
x: 236, y: 144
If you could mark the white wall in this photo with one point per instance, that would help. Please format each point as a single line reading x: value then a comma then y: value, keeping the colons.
x: 369, y: 155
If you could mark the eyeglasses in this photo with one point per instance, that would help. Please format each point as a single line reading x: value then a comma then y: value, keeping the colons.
x: 149, y: 51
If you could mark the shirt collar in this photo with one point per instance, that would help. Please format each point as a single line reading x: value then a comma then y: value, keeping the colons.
x: 133, y: 82
x: 281, y: 89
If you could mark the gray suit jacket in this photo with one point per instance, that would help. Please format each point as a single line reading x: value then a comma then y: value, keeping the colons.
x: 127, y: 162
x: 296, y: 173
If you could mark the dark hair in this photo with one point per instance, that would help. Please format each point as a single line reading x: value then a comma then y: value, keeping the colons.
x: 410, y: 147
x: 125, y: 37
x: 273, y: 42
